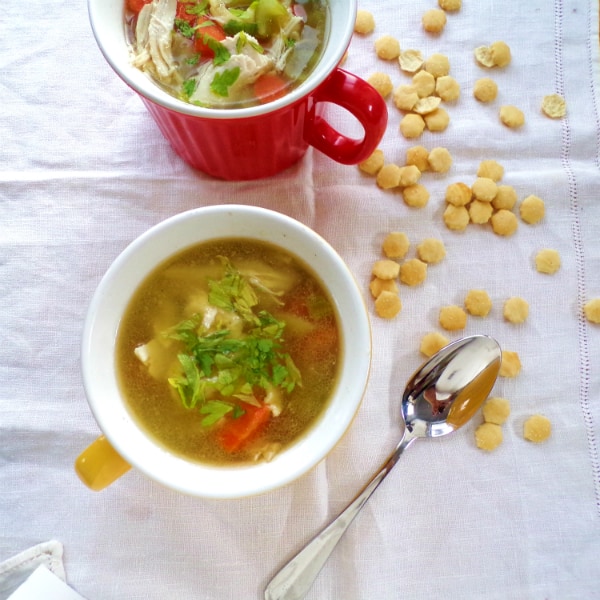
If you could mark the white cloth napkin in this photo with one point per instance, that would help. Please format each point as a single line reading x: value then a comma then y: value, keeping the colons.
x: 42, y: 584
x: 17, y: 570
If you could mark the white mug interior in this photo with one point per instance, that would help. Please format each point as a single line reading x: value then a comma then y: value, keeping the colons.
x: 112, y: 297
x: 108, y: 25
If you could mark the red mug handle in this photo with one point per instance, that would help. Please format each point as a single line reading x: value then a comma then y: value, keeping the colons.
x: 360, y: 99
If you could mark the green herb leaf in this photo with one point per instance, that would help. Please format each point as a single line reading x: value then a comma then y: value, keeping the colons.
x: 186, y: 331
x: 270, y: 326
x: 223, y: 81
x: 207, y: 23
x: 200, y: 8
x: 184, y: 28
x: 215, y: 410
x: 233, y: 292
x: 193, y: 60
x: 256, y: 46
x: 218, y: 366
x: 248, y: 400
x: 280, y: 374
x: 188, y: 87
x: 188, y: 386
x: 294, y: 376
x: 222, y: 55
x: 238, y: 411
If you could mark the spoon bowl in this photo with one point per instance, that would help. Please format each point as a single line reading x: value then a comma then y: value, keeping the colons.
x: 445, y: 392
x: 441, y: 396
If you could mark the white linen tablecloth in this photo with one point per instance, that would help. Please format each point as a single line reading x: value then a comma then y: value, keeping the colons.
x: 84, y: 170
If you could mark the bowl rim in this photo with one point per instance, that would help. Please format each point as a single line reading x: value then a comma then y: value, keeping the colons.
x: 115, y: 49
x: 103, y: 318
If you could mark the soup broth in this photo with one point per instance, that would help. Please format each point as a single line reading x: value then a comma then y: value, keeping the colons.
x: 226, y: 53
x: 229, y: 351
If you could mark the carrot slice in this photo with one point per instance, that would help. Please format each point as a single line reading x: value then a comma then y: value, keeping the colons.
x: 296, y: 305
x: 136, y: 5
x: 236, y: 433
x: 269, y: 87
x: 207, y: 32
x: 317, y: 345
x: 183, y: 14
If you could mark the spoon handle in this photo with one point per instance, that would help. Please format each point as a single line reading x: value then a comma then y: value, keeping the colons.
x: 294, y: 580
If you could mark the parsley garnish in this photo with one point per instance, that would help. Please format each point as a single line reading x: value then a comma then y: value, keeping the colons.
x: 207, y: 23
x: 215, y: 410
x: 200, y: 8
x: 184, y: 28
x: 188, y: 87
x: 243, y: 40
x: 222, y: 55
x: 218, y: 368
x: 234, y: 293
x: 223, y: 81
x: 193, y: 60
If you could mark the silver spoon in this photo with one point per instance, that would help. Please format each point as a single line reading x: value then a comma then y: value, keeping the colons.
x: 439, y: 398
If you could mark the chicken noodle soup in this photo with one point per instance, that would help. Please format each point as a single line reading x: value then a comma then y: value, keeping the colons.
x: 229, y: 351
x: 226, y: 53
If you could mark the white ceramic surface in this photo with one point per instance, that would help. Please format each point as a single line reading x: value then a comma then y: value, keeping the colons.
x: 112, y: 297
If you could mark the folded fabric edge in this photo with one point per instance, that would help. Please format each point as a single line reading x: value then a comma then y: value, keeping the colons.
x: 15, y: 570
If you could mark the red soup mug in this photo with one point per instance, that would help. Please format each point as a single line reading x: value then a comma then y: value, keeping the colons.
x: 258, y: 141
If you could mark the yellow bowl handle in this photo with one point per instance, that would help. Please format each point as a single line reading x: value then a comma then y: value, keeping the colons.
x: 100, y: 464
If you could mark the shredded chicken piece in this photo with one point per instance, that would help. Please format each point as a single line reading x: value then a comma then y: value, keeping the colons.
x: 266, y: 278
x: 274, y: 400
x: 280, y: 49
x: 157, y: 355
x: 153, y: 35
x: 252, y: 65
x: 268, y: 452
x: 141, y: 51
